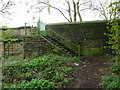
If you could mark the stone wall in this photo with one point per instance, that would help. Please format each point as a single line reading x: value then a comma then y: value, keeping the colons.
x: 36, y: 46
x: 89, y: 35
x: 20, y: 31
x: 1, y: 49
x: 15, y: 46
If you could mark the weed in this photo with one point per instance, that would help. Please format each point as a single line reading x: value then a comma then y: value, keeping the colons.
x: 116, y: 67
x: 111, y: 81
x: 34, y: 83
x: 53, y: 68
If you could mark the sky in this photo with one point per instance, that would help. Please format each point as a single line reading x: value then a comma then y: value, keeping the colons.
x: 20, y: 16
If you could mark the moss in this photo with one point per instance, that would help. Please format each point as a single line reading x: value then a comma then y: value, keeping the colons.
x: 86, y: 34
x: 69, y: 23
x: 93, y: 51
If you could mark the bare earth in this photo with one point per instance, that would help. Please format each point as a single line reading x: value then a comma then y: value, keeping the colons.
x: 90, y: 73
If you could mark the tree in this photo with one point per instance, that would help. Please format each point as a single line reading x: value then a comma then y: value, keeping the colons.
x: 5, y: 6
x: 103, y: 10
x: 70, y: 10
x: 114, y: 29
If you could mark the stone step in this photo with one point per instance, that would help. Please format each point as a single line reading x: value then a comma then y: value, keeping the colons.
x: 59, y: 45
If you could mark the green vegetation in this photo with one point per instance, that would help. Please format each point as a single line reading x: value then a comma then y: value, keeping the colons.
x: 115, y: 68
x: 8, y: 35
x: 113, y: 81
x: 48, y: 71
x: 93, y: 51
x: 34, y: 83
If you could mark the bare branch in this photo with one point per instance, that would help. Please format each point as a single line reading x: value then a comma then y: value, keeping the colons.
x: 5, y: 7
x: 83, y: 3
x: 78, y: 11
x: 73, y: 9
x: 69, y: 10
x: 74, y: 5
x: 53, y: 8
x: 103, y: 11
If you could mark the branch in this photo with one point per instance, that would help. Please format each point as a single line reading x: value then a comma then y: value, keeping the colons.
x: 53, y: 8
x: 69, y: 10
x: 83, y: 3
x: 78, y: 11
x: 103, y: 10
x: 42, y: 9
x: 5, y: 7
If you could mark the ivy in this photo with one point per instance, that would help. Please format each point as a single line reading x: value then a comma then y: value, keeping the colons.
x: 114, y: 32
x: 113, y: 81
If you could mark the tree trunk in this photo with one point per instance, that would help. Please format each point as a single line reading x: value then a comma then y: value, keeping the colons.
x: 78, y: 11
x: 69, y: 11
x: 75, y: 14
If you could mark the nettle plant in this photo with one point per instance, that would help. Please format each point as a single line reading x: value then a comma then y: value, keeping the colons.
x: 114, y: 31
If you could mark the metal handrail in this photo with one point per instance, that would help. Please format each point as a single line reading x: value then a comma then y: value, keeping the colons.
x: 64, y: 41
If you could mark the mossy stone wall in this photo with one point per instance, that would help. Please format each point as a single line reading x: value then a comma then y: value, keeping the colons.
x: 35, y: 46
x: 89, y: 35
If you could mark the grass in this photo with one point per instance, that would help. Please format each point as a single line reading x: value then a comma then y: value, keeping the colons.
x: 49, y: 71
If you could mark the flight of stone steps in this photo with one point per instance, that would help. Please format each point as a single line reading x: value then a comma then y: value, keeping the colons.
x: 59, y: 45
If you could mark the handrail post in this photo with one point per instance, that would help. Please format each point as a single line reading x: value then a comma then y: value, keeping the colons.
x: 25, y: 29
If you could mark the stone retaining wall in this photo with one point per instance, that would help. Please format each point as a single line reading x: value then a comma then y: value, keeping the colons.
x: 89, y: 35
x: 8, y: 48
x: 36, y: 46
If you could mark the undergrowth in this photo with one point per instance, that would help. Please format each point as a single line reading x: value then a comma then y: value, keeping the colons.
x: 112, y: 81
x: 49, y: 71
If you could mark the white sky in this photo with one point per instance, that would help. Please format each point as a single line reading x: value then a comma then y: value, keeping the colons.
x: 20, y: 16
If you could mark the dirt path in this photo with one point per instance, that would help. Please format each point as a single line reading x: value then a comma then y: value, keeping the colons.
x: 90, y: 73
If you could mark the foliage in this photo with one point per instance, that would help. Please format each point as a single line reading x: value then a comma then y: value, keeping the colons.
x: 114, y: 32
x: 114, y: 37
x: 111, y: 81
x: 114, y: 40
x: 34, y: 83
x: 116, y: 67
x: 53, y: 68
x: 7, y: 34
x: 104, y: 8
